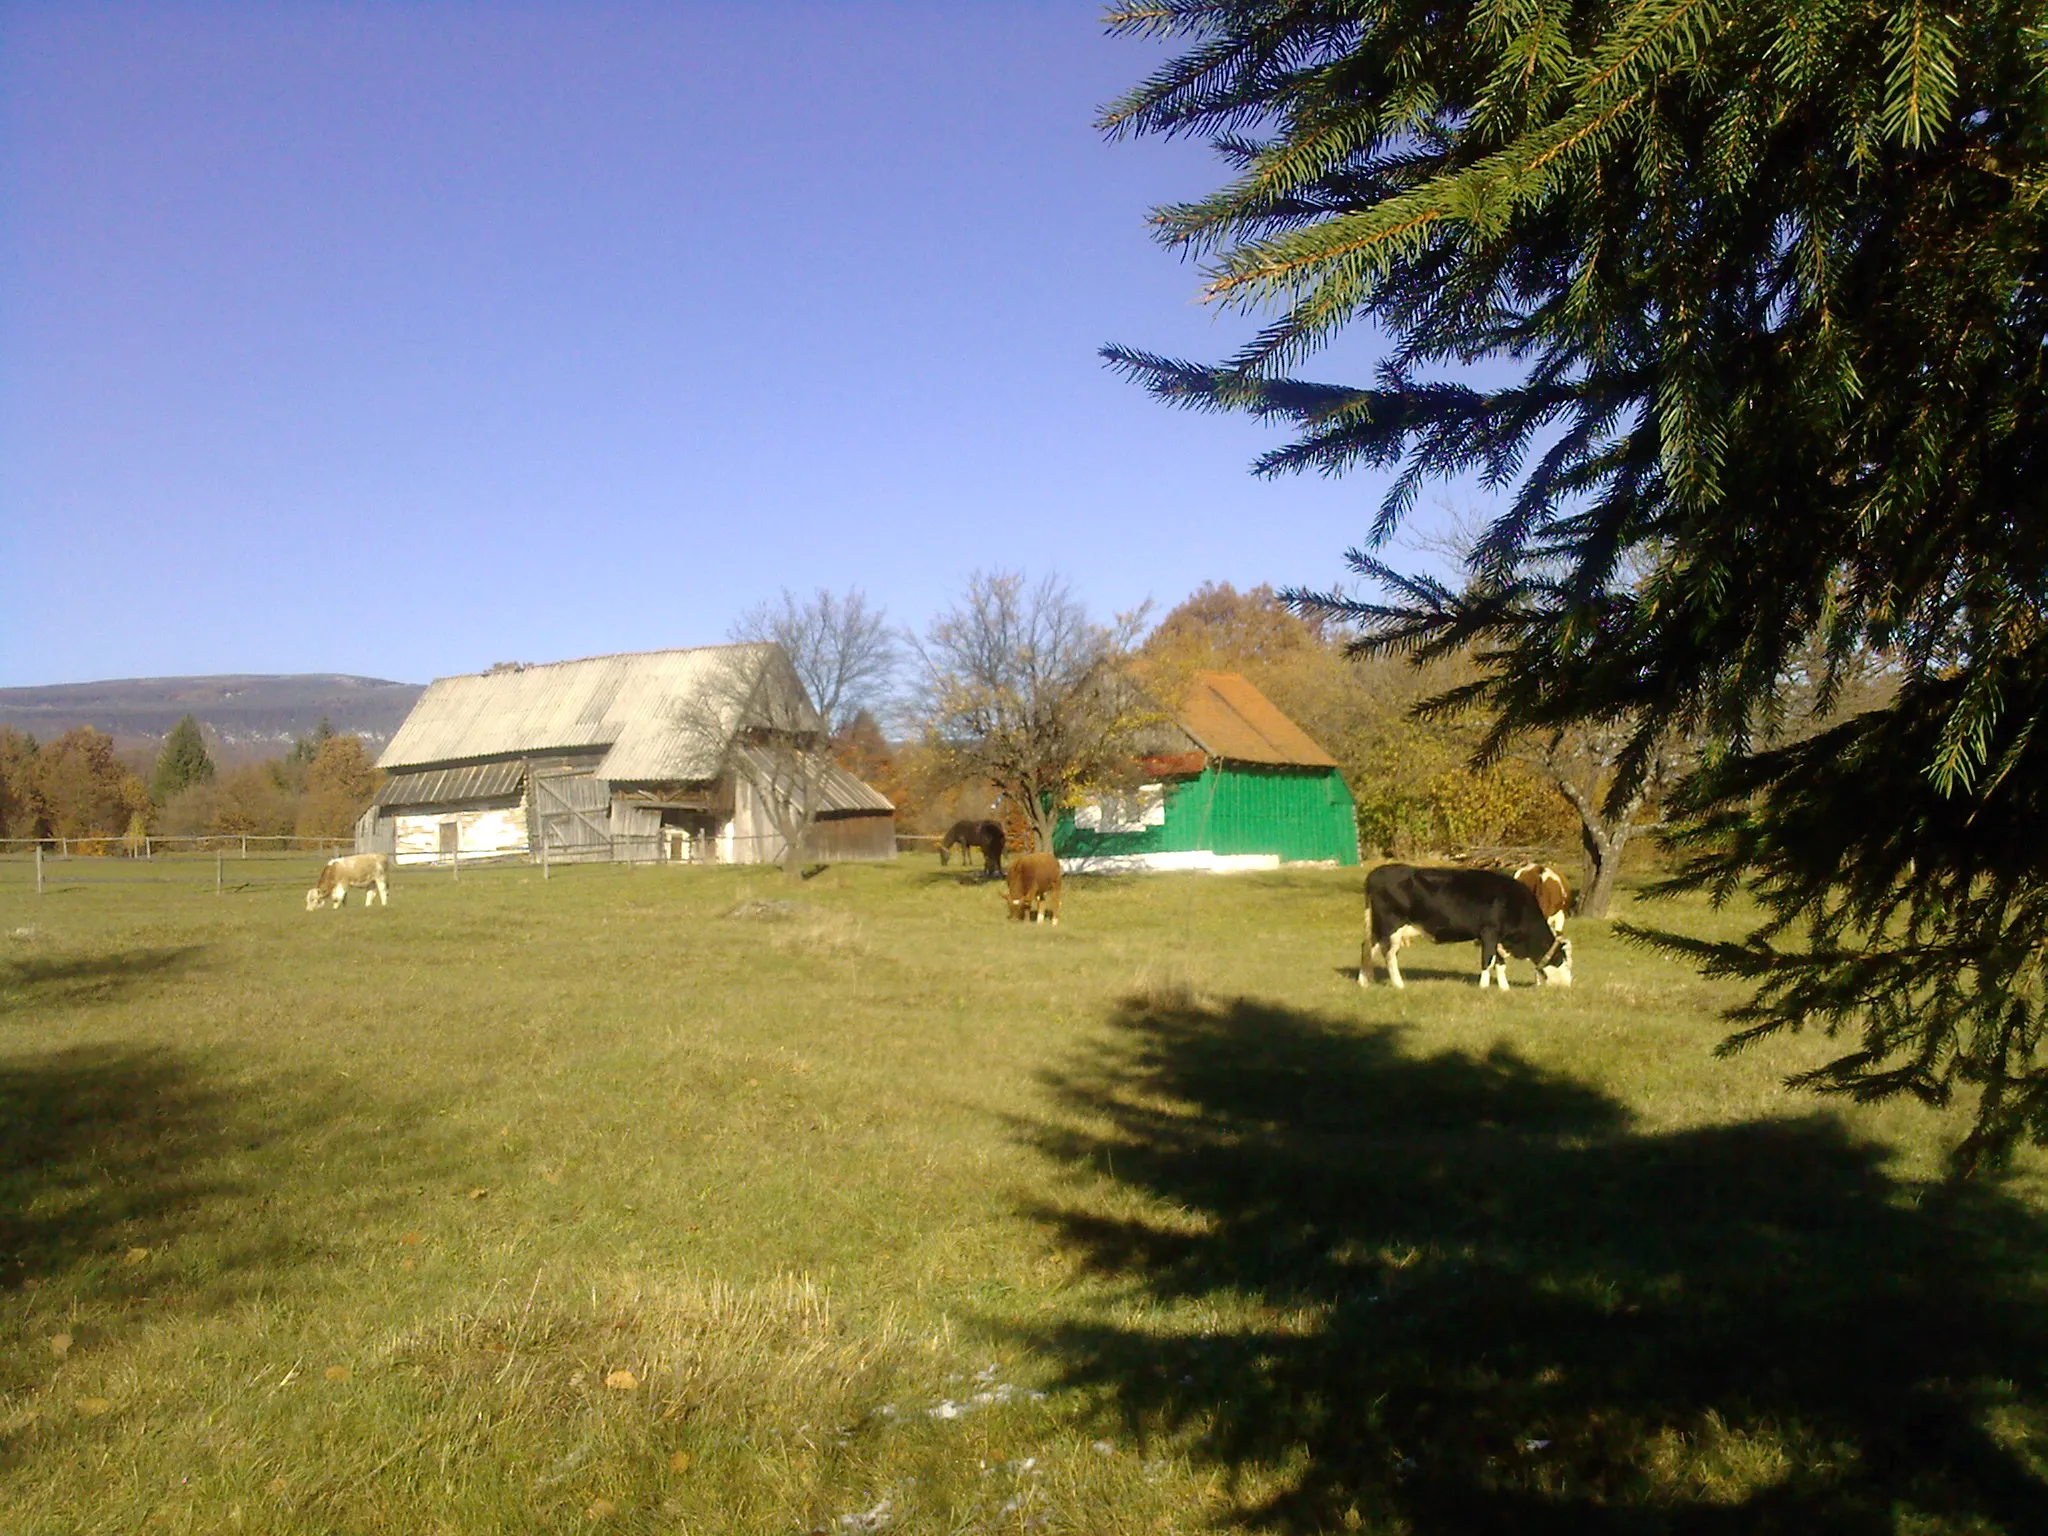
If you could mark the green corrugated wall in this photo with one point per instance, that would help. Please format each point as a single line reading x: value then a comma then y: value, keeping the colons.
x: 1297, y: 813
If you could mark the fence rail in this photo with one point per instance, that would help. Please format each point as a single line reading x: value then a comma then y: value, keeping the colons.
x: 224, y: 869
x: 156, y: 845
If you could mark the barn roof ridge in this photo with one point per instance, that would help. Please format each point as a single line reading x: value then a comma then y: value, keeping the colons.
x: 499, y: 669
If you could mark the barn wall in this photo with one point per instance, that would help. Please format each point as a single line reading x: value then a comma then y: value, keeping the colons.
x: 1300, y: 814
x: 636, y: 832
x: 482, y: 833
x: 852, y: 839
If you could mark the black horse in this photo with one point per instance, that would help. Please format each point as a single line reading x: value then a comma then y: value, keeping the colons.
x: 985, y: 835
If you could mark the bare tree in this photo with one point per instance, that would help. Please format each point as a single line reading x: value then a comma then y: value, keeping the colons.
x: 1580, y: 762
x: 1021, y: 688
x: 752, y: 724
x: 843, y: 650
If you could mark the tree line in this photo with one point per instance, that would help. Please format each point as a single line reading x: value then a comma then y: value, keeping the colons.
x: 80, y: 788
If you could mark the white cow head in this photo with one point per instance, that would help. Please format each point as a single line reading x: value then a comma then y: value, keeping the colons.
x: 1555, y: 968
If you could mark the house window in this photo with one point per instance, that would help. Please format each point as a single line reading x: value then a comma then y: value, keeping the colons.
x: 451, y: 838
x: 1111, y: 814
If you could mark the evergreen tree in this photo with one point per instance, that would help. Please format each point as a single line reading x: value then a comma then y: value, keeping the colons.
x: 1757, y: 289
x: 180, y: 762
x: 306, y: 748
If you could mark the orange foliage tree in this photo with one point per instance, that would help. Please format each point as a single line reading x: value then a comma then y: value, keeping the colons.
x: 340, y: 781
x: 84, y: 790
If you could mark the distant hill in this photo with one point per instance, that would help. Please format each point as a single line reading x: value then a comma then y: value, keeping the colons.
x: 248, y: 711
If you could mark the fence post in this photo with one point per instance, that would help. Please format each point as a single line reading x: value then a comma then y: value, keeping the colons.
x: 455, y: 863
x: 245, y: 845
x: 39, y: 869
x: 218, y: 856
x: 63, y: 847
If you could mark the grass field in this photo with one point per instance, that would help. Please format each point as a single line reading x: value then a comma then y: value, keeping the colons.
x: 691, y: 1201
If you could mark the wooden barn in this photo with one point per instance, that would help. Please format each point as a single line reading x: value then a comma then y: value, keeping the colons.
x: 1235, y: 786
x: 656, y: 756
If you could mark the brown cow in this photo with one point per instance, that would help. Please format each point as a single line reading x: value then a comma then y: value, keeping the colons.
x: 1547, y: 886
x: 1035, y: 888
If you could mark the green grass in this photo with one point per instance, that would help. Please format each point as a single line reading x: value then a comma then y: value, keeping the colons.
x: 637, y: 1201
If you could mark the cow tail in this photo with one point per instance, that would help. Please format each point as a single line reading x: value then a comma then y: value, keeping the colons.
x: 1365, y: 948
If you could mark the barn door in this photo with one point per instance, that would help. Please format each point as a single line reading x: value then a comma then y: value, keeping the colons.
x: 571, y: 817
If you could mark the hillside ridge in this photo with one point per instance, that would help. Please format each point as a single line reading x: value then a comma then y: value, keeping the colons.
x: 238, y: 708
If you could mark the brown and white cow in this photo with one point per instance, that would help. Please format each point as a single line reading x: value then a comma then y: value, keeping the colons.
x: 1035, y: 888
x: 356, y: 871
x: 1548, y: 887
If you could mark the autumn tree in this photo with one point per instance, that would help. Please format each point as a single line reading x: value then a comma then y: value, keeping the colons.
x: 1019, y: 687
x: 252, y: 801
x: 20, y: 809
x: 181, y: 762
x: 1741, y: 309
x: 83, y: 789
x: 341, y: 779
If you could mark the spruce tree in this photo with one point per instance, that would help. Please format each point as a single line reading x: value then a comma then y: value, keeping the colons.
x: 181, y: 762
x: 1739, y: 308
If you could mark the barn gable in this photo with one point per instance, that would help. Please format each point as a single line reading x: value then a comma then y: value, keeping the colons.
x: 641, y: 756
x: 1240, y: 787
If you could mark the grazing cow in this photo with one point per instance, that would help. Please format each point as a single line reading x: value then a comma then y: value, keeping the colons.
x: 1548, y: 887
x: 351, y: 872
x: 1035, y: 888
x: 985, y: 835
x: 1454, y: 905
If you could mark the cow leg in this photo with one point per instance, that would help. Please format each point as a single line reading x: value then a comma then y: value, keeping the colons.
x: 1396, y: 942
x: 1493, y: 961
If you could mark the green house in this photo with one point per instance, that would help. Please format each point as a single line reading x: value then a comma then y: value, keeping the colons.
x: 1241, y: 787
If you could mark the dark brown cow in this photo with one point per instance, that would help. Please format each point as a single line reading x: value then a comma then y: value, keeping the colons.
x: 985, y: 835
x: 1035, y: 888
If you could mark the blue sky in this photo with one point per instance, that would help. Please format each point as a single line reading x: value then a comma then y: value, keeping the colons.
x: 399, y: 339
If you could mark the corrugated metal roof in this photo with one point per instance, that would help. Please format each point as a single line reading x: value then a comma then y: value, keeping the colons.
x: 838, y: 790
x: 1231, y: 719
x: 443, y: 786
x: 651, y: 710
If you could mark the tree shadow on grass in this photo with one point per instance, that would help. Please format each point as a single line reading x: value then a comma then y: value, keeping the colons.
x: 29, y: 986
x: 100, y: 1149
x: 1459, y: 1294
